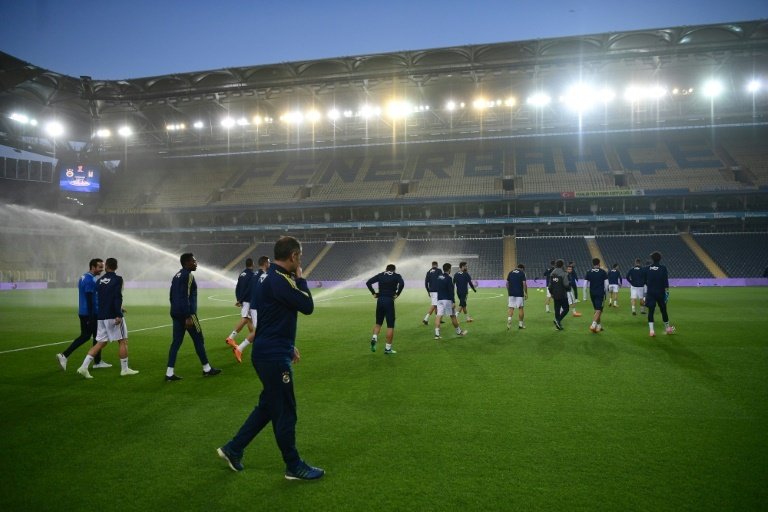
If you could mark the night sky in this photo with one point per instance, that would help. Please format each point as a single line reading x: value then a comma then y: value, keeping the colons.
x: 140, y: 38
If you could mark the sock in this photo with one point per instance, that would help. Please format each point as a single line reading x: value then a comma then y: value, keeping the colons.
x: 666, y: 324
x: 244, y: 344
x: 388, y: 346
x: 458, y: 330
x: 594, y: 325
x: 437, y: 332
x: 520, y: 323
x: 375, y: 337
x: 650, y: 325
x: 206, y: 367
x: 169, y: 371
x: 124, y: 364
x: 509, y: 319
x: 426, y: 317
x: 233, y: 334
x: 547, y: 309
x: 87, y: 361
x: 633, y: 309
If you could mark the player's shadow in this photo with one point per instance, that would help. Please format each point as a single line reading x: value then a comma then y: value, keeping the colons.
x: 686, y: 358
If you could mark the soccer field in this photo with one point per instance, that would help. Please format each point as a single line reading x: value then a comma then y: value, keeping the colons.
x: 531, y: 419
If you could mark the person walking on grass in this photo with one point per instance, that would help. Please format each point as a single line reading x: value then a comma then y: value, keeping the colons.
x: 111, y: 320
x: 282, y: 294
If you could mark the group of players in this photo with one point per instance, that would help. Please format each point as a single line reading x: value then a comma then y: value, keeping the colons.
x: 649, y: 287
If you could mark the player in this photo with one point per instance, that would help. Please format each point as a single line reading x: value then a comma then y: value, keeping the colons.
x: 517, y: 292
x: 547, y: 273
x: 183, y: 297
x: 614, y: 284
x: 263, y: 263
x: 430, y: 283
x: 87, y: 307
x: 283, y: 293
x: 598, y: 287
x: 559, y: 284
x: 111, y: 322
x: 391, y: 285
x: 446, y: 302
x: 657, y: 281
x: 636, y: 279
x: 463, y: 281
x: 573, y: 293
x: 242, y: 301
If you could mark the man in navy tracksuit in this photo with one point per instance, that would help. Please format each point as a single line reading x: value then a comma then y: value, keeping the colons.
x: 391, y: 285
x: 183, y: 296
x: 657, y: 280
x: 280, y: 296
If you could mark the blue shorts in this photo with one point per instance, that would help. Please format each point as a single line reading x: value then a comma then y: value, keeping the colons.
x: 462, y: 301
x: 385, y: 310
x: 597, y: 301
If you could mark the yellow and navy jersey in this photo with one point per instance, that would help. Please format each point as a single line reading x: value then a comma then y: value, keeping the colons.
x: 279, y: 299
x: 183, y: 294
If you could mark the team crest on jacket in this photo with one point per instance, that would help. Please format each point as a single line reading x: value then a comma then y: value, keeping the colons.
x: 286, y: 377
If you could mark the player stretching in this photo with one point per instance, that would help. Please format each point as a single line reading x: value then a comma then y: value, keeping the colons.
x: 391, y: 285
x: 636, y: 279
x: 517, y: 290
x: 657, y: 280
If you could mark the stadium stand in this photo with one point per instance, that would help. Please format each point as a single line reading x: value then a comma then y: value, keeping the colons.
x: 536, y: 253
x: 679, y: 259
x: 739, y: 254
x: 483, y: 256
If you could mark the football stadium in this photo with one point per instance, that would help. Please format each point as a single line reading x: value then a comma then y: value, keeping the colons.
x: 608, y: 146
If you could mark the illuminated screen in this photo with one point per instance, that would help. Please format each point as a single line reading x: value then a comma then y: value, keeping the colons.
x: 79, y: 178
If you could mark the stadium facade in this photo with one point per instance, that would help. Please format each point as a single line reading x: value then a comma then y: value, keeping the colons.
x: 650, y: 131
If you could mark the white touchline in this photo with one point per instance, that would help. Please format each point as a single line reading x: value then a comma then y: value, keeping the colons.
x: 132, y: 330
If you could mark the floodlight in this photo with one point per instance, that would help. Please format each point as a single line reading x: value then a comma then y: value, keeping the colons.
x: 54, y: 129
x: 510, y: 102
x: 20, y: 118
x: 198, y: 125
x: 539, y: 99
x: 753, y: 86
x: 292, y: 117
x: 450, y: 106
x: 579, y: 97
x: 480, y: 104
x: 242, y: 122
x: 366, y: 111
x: 397, y: 109
x: 333, y: 114
x: 348, y: 113
x: 227, y: 122
x: 313, y: 116
x: 125, y: 131
x: 33, y: 122
x: 712, y: 88
x: 103, y: 133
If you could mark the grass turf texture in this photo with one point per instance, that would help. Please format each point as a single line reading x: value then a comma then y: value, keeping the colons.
x: 529, y: 420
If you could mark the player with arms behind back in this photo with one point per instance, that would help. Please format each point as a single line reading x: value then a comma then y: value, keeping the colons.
x: 391, y: 285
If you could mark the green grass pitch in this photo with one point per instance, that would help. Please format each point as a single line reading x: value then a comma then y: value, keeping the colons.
x: 520, y: 420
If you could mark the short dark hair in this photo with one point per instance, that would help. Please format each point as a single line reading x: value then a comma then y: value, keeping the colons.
x: 520, y: 265
x: 390, y: 267
x: 434, y: 263
x: 186, y: 258
x: 656, y: 256
x: 248, y: 262
x: 285, y: 246
x: 446, y: 267
x: 552, y: 262
x: 111, y: 264
x: 595, y: 261
x: 462, y: 264
x: 638, y: 261
x: 615, y: 265
x: 94, y: 262
x: 263, y: 260
x: 559, y: 263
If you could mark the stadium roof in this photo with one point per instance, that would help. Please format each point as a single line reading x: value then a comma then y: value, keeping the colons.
x: 162, y: 110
